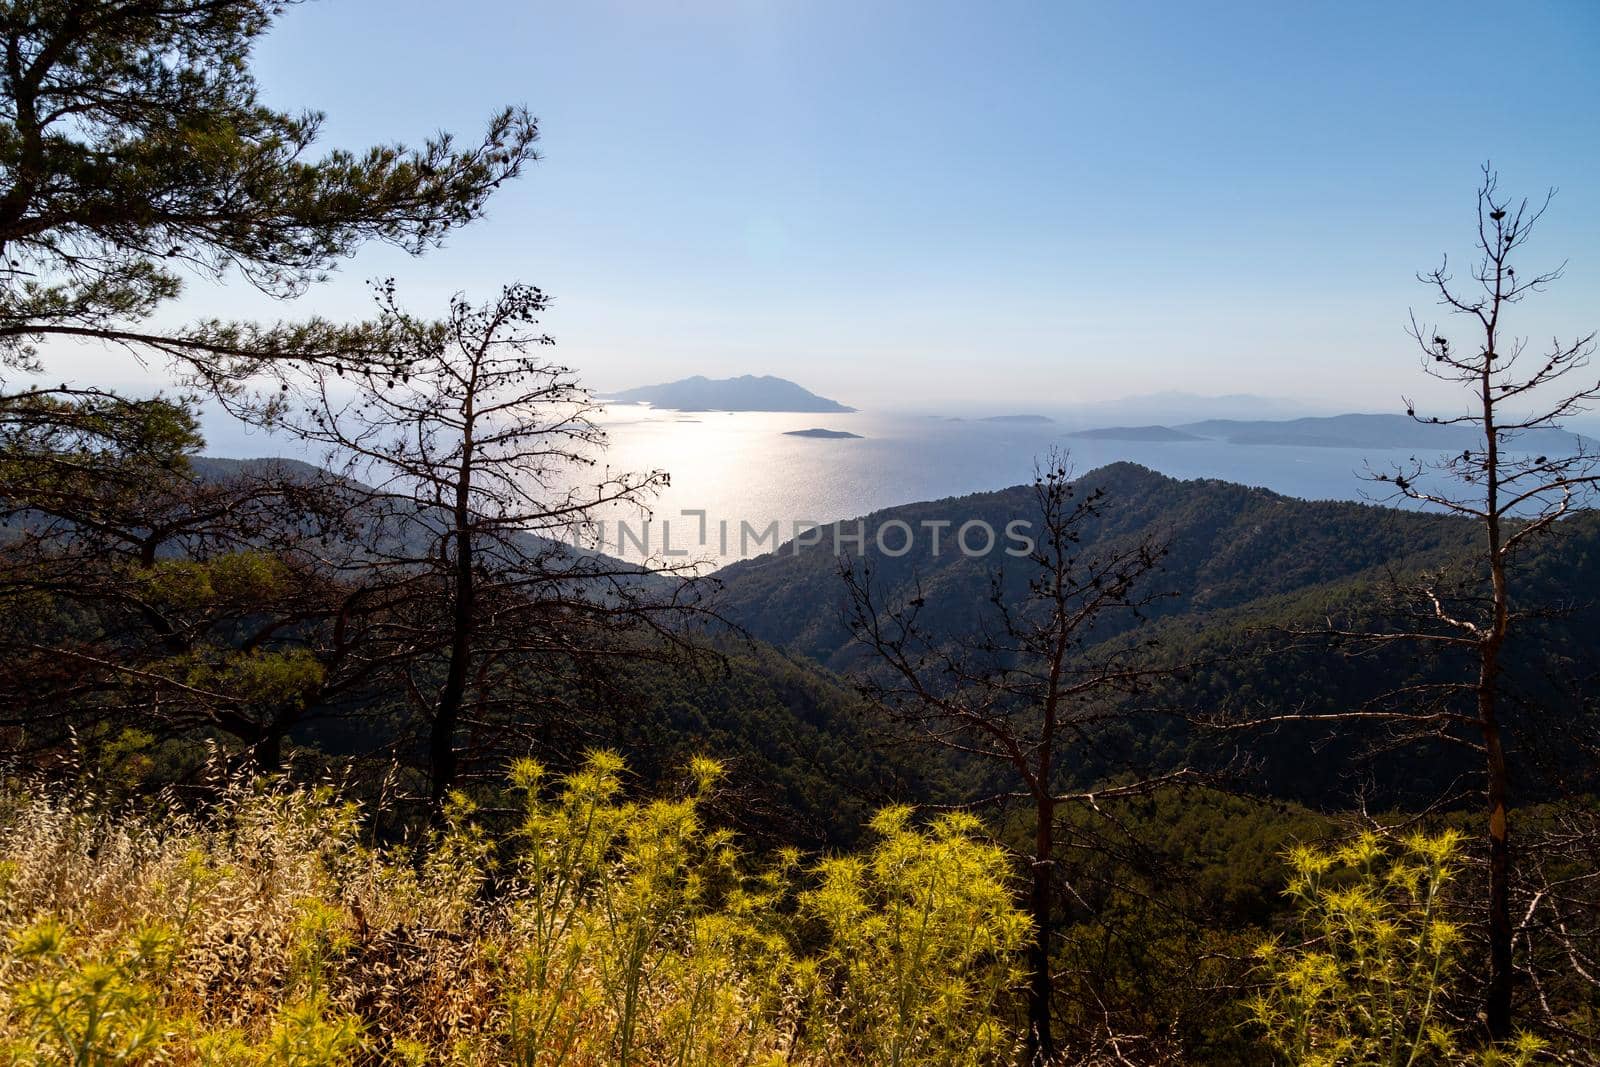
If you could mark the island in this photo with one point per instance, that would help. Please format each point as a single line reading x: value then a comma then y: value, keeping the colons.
x: 1017, y: 418
x: 1136, y: 433
x: 817, y: 431
x: 1378, y: 431
x: 748, y: 392
x: 1382, y: 431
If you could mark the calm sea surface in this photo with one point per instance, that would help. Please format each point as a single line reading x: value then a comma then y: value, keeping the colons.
x: 740, y: 467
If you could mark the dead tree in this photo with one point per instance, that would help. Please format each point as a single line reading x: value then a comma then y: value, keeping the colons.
x: 1514, y: 496
x: 1025, y: 688
x: 1515, y: 481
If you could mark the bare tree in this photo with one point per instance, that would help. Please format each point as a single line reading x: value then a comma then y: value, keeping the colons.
x: 464, y: 460
x: 1026, y: 688
x: 1516, y: 479
x: 1515, y: 496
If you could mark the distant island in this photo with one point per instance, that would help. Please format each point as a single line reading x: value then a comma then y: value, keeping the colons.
x: 1017, y: 418
x: 747, y: 392
x: 1338, y: 431
x: 1136, y: 433
x: 817, y: 431
x: 1172, y: 407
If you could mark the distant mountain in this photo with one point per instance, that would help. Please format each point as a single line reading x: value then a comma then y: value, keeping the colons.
x: 1017, y: 418
x: 744, y: 393
x: 218, y: 468
x: 817, y: 431
x: 1172, y: 406
x: 1337, y: 431
x: 1136, y: 433
x: 1370, y: 431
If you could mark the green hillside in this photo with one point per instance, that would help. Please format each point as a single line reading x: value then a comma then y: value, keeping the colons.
x: 1230, y: 545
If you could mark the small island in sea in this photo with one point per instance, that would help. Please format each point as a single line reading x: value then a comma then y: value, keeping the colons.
x: 817, y: 431
x: 1136, y: 433
x: 1017, y: 418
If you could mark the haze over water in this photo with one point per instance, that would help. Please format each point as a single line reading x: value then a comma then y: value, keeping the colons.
x: 741, y: 467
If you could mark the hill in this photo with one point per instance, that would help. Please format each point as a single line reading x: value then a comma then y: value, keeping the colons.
x: 802, y: 768
x: 218, y: 468
x: 1244, y: 563
x: 1246, y: 567
x: 1230, y: 544
x: 744, y: 393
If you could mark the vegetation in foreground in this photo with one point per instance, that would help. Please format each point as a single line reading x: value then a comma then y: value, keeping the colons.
x: 588, y: 928
x: 595, y: 930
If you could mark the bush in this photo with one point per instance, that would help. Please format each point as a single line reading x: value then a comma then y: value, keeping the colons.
x: 602, y: 931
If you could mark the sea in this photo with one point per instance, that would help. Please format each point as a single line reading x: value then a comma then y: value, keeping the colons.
x: 732, y: 470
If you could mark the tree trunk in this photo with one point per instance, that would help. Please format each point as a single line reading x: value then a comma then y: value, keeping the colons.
x: 1497, y: 997
x: 1040, y: 1047
x: 267, y: 752
x: 442, y: 742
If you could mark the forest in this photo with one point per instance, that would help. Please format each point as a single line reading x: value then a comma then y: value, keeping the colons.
x: 372, y: 760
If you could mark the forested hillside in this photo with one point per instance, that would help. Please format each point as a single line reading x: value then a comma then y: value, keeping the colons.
x: 1250, y: 573
x: 1228, y: 545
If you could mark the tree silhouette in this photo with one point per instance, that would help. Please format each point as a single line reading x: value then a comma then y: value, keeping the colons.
x: 135, y: 145
x: 1514, y: 497
x: 465, y: 464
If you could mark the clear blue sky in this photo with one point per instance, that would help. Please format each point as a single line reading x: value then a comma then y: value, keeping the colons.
x: 978, y: 202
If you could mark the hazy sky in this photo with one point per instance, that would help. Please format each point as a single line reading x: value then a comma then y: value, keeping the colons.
x: 980, y: 203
